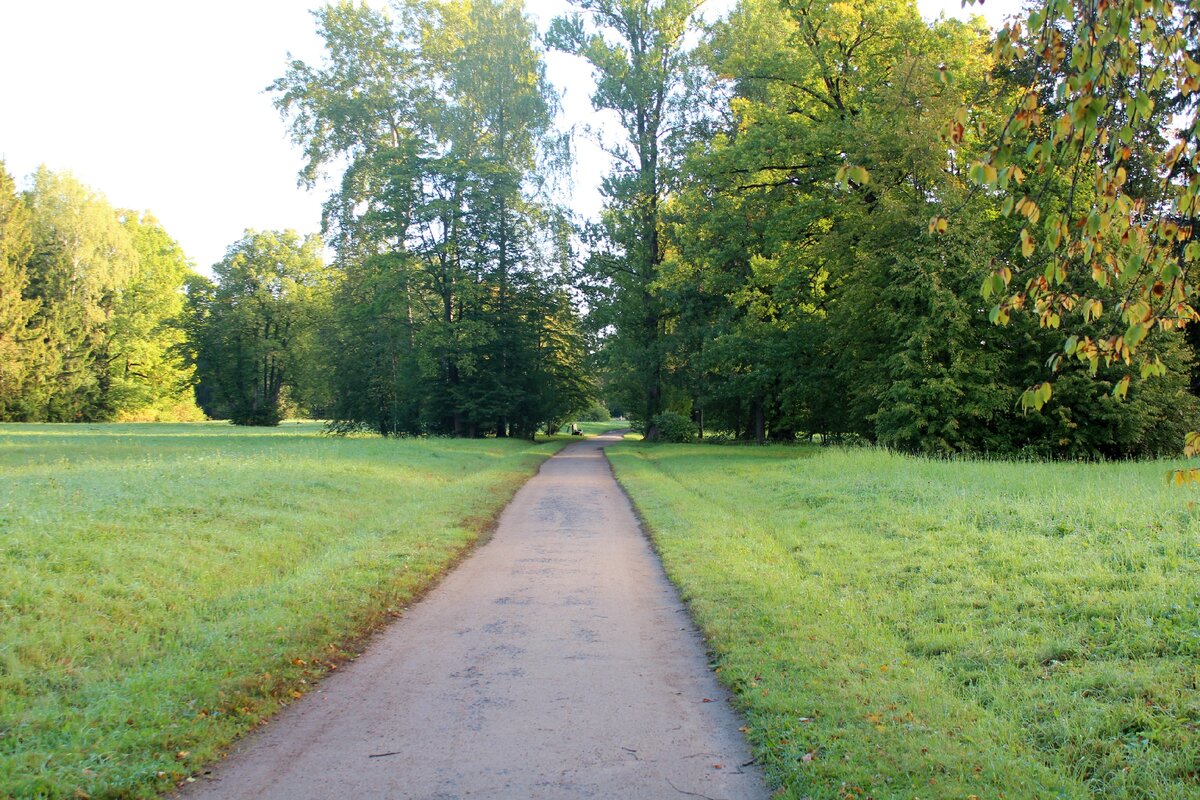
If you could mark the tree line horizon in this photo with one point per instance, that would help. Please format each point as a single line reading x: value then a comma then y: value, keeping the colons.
x: 823, y: 218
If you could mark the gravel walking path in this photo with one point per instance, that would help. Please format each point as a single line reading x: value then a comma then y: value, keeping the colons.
x: 555, y: 662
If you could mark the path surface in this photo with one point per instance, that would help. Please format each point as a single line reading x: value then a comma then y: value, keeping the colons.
x: 555, y: 662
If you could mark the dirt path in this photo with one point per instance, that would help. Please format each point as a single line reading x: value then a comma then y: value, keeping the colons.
x: 555, y: 662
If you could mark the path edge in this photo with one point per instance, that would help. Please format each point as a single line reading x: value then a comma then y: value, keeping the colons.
x: 351, y: 648
x: 733, y: 699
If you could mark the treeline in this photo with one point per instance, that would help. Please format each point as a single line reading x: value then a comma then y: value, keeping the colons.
x: 801, y: 214
x: 447, y: 309
x: 766, y: 269
x: 90, y: 301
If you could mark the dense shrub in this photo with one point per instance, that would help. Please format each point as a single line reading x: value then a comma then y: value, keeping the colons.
x: 596, y: 412
x: 674, y: 427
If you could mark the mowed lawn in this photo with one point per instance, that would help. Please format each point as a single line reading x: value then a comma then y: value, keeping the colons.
x: 597, y: 428
x: 905, y: 628
x: 164, y: 587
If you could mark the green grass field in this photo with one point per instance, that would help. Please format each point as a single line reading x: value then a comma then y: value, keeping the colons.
x: 164, y: 587
x: 899, y: 628
x: 597, y: 428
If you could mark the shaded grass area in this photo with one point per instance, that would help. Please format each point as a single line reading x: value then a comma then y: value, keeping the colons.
x: 898, y: 627
x: 165, y: 587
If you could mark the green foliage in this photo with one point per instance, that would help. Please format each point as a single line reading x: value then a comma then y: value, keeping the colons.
x: 82, y: 258
x: 452, y: 316
x: 803, y: 290
x: 90, y: 309
x: 674, y: 427
x: 596, y: 412
x: 165, y: 588
x: 252, y: 330
x: 637, y: 52
x: 20, y: 343
x: 1106, y: 106
x: 150, y: 379
x: 898, y: 627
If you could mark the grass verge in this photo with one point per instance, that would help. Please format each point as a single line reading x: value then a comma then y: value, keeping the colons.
x: 897, y: 627
x: 163, y: 588
x: 597, y: 428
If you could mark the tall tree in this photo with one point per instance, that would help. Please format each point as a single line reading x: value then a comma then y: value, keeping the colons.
x: 499, y: 121
x: 251, y: 326
x: 146, y: 360
x: 636, y: 49
x: 82, y: 258
x: 363, y: 106
x: 19, y: 342
x: 440, y: 113
x: 801, y: 287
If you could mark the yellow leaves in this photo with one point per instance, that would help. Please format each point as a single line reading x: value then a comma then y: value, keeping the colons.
x: 1168, y: 230
x: 1134, y: 335
x: 1121, y: 389
x: 1137, y: 312
x: 1054, y: 238
x: 1092, y: 309
x: 1029, y: 210
x: 1181, y: 477
x: 953, y: 133
x: 938, y: 225
x: 956, y: 128
x: 1191, y: 444
x: 983, y: 174
x: 1154, y: 369
x: 848, y: 173
x: 1172, y: 155
x: 1027, y: 245
x: 1028, y: 112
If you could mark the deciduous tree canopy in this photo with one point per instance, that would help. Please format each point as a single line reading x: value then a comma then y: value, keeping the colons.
x: 831, y: 219
x: 90, y: 303
x: 452, y: 315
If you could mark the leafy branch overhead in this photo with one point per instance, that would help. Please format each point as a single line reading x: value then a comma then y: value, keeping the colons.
x: 1099, y: 162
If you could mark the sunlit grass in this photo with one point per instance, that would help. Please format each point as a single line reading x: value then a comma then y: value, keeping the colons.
x: 899, y: 628
x: 164, y: 587
x: 597, y: 428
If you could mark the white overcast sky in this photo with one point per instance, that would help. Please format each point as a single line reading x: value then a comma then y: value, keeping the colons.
x: 159, y: 105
